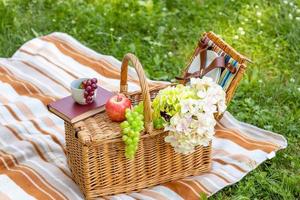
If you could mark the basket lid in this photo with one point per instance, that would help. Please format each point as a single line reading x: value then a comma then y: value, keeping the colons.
x: 97, y: 128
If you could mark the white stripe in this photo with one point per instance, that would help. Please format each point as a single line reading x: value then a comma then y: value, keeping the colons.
x: 230, y: 146
x: 58, y: 180
x: 86, y: 71
x: 230, y: 170
x: 23, y: 72
x: 41, y: 179
x: 187, y: 185
x: 89, y: 53
x: 251, y: 131
x: 30, y: 180
x: 141, y: 196
x: 207, y: 183
x: 27, y: 125
x: 224, y: 174
x: 12, y: 190
x: 123, y: 197
x: 167, y: 192
x: 48, y: 68
x: 8, y: 90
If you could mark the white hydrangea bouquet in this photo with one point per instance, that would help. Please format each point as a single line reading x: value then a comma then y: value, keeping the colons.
x: 188, y: 113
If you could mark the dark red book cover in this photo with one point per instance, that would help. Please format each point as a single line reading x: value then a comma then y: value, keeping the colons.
x: 67, y: 109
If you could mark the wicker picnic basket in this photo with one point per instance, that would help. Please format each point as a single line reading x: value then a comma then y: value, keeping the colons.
x: 95, y: 149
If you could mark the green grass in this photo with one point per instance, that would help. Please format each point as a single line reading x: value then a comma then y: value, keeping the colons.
x: 163, y: 35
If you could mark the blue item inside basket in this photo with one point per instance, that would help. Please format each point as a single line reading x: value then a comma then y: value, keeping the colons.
x: 226, y: 75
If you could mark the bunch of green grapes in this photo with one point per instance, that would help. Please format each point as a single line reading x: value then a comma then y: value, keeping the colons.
x: 131, y: 129
x: 158, y: 123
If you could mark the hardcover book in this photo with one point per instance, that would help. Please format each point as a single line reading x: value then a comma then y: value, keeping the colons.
x: 72, y: 112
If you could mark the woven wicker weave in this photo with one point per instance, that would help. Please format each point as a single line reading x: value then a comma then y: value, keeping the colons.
x: 95, y: 149
x: 226, y: 49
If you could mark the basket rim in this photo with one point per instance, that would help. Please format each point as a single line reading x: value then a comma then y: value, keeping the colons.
x: 84, y: 133
x: 227, y: 48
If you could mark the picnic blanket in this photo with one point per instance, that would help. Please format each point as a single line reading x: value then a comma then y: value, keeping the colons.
x: 32, y: 159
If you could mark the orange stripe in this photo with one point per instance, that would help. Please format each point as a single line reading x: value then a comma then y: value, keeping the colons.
x: 221, y: 177
x: 238, y: 133
x: 12, y: 112
x: 103, y: 67
x: 45, y: 74
x: 245, y: 143
x: 12, y: 130
x: 231, y: 164
x: 29, y: 115
x: 22, y: 181
x: 196, y: 185
x: 4, y: 70
x: 12, y: 157
x: 239, y: 157
x: 33, y: 174
x: 36, y: 147
x: 100, y: 66
x: 27, y: 112
x: 49, y: 122
x: 33, y: 143
x: 25, y: 88
x: 182, y: 190
x: 48, y: 60
x: 19, y: 86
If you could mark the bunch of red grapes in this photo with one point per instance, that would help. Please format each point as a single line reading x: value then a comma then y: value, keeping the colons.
x: 89, y: 86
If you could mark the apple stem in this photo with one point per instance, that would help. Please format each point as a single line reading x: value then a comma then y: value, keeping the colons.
x: 119, y: 99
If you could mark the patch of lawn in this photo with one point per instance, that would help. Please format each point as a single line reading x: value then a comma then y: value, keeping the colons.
x: 163, y: 34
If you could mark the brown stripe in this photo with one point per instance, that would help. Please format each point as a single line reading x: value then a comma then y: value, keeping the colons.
x: 49, y: 122
x: 103, y: 67
x: 53, y: 137
x: 196, y: 185
x: 219, y: 176
x: 152, y: 194
x: 245, y: 143
x: 4, y: 196
x: 240, y: 134
x: 48, y: 60
x: 231, y: 164
x: 34, y: 175
x: 27, y: 112
x: 22, y: 181
x: 33, y: 170
x: 45, y: 74
x: 25, y: 88
x: 4, y: 70
x: 238, y: 157
x: 12, y: 130
x: 182, y: 190
x: 12, y: 112
x: 36, y: 147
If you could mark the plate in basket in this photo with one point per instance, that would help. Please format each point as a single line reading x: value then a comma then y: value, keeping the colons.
x: 211, y: 55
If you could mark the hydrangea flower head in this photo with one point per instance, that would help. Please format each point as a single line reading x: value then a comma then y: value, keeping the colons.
x: 192, y: 110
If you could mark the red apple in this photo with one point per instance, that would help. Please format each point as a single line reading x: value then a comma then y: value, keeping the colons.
x: 116, y: 107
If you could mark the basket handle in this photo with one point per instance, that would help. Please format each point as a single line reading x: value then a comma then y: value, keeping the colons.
x: 144, y: 87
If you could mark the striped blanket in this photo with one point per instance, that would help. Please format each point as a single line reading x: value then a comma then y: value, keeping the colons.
x: 32, y: 160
